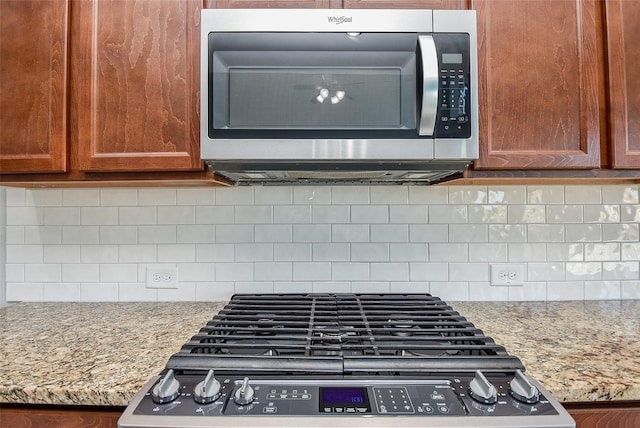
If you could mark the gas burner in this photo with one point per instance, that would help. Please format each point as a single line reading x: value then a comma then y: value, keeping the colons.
x: 249, y: 347
x: 400, y: 326
x: 425, y: 348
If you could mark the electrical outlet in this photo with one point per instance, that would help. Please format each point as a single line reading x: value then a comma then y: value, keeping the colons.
x: 162, y: 277
x: 507, y: 274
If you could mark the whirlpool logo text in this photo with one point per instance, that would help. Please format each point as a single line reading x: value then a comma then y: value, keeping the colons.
x: 340, y: 19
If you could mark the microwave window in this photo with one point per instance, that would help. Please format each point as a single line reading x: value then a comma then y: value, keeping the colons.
x: 314, y: 98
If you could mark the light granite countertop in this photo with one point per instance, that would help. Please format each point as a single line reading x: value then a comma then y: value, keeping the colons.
x: 103, y: 353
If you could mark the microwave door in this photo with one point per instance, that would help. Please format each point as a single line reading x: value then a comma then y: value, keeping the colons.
x: 429, y: 106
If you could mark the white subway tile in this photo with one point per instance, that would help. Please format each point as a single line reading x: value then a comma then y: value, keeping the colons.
x: 620, y: 270
x: 629, y: 290
x: 81, y: 197
x: 292, y: 252
x: 267, y: 195
x: 409, y: 287
x: 569, y: 252
x: 118, y: 197
x: 157, y: 234
x: 330, y: 214
x: 24, y: 216
x: 468, y: 233
x: 620, y: 232
x: 24, y: 254
x: 350, y: 272
x: 61, y: 216
x: 157, y: 197
x: 186, y: 292
x: 476, y: 272
x: 428, y: 271
x: 479, y: 252
x: 81, y: 272
x: 61, y: 292
x: 254, y: 252
x: 549, y: 271
x: 630, y: 213
x: 527, y: 214
x: 583, y: 271
x: 545, y: 232
x: 369, y: 214
x: 234, y: 233
x: 254, y: 287
x: 120, y: 272
x: 46, y: 272
x: 214, y: 215
x: 288, y: 214
x: 370, y: 287
x: 136, y: 292
x: 273, y: 271
x: 583, y: 194
x: 526, y: 252
x: 350, y: 233
x: 196, y: 196
x: 233, y: 271
x: 214, y: 291
x: 312, y: 195
x: 602, y: 251
x: 195, y: 272
x: 350, y: 195
x: 214, y: 253
x: 176, y: 215
x: 311, y: 233
x: 97, y: 215
x: 602, y: 290
x: 583, y: 232
x: 369, y: 252
x: 428, y: 195
x: 15, y: 197
x: 566, y: 290
x: 14, y: 272
x: 292, y: 287
x: 601, y: 213
x: 467, y: 195
x: 428, y: 233
x: 531, y: 291
x: 389, y: 195
x: 98, y: 292
x: 389, y: 271
x: 43, y: 197
x: 620, y: 194
x: 389, y: 233
x: 408, y: 252
x: 180, y: 253
x: 141, y: 253
x: 408, y: 214
x: 332, y: 287
x: 545, y: 194
x: 448, y: 214
x: 507, y: 195
x: 313, y: 271
x: 273, y: 233
x: 61, y: 254
x: 25, y: 292
x: 118, y: 235
x: 564, y: 214
x: 254, y: 214
x: 450, y: 291
x: 334, y: 252
x: 630, y: 251
x: 194, y: 234
x: 42, y: 234
x: 487, y: 213
x: 99, y: 253
x: 15, y: 234
x: 458, y: 252
x: 484, y: 292
x: 234, y: 195
x: 137, y: 215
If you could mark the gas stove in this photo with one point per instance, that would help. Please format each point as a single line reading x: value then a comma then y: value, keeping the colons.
x: 342, y: 360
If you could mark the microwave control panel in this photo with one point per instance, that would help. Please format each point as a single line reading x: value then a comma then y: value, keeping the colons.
x: 453, y: 119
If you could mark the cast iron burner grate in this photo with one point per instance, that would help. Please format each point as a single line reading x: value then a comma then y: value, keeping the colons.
x: 341, y: 334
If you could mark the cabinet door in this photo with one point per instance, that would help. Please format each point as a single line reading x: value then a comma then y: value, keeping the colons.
x: 33, y: 84
x: 406, y: 4
x: 540, y: 84
x: 623, y: 36
x: 135, y: 85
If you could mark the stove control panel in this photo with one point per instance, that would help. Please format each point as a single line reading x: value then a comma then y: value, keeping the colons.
x: 477, y: 395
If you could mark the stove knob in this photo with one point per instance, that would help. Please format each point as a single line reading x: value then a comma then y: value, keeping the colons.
x: 168, y: 389
x: 522, y: 390
x: 244, y: 395
x: 482, y: 390
x: 208, y: 390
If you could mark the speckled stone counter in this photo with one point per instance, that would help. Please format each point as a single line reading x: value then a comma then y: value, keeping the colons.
x: 103, y: 353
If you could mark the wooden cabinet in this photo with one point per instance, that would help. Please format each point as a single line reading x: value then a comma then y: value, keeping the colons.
x: 608, y: 414
x: 540, y: 84
x: 135, y: 84
x: 623, y: 39
x: 406, y: 4
x: 261, y: 4
x: 33, y: 85
x: 28, y: 416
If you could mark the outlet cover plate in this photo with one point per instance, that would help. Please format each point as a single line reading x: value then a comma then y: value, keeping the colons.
x: 162, y: 277
x: 507, y: 274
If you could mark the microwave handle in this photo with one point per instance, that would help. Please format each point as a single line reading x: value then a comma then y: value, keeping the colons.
x: 429, y: 106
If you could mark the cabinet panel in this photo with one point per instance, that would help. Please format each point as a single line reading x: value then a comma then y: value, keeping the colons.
x: 406, y: 4
x: 33, y: 84
x: 623, y: 36
x: 262, y: 4
x: 135, y: 85
x: 540, y: 84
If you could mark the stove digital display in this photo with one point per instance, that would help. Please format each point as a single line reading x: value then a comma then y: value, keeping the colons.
x: 338, y: 400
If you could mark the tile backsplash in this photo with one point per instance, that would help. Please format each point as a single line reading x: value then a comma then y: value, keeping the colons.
x: 574, y: 242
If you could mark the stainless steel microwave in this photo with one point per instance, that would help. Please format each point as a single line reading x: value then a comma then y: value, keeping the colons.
x: 339, y: 96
